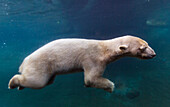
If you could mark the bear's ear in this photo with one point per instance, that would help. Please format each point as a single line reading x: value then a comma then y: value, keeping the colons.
x: 123, y: 47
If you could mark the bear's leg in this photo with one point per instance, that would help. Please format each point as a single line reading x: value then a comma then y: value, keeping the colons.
x: 100, y: 82
x: 35, y: 81
x: 93, y: 78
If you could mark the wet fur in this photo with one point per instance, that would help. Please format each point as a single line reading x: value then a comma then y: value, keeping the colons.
x: 76, y: 55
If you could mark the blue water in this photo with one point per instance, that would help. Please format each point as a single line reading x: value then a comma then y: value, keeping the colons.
x: 26, y: 25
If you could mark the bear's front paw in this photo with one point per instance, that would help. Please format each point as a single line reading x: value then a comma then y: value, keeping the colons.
x: 110, y: 87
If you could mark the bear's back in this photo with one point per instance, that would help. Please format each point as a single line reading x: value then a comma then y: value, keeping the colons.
x: 62, y: 53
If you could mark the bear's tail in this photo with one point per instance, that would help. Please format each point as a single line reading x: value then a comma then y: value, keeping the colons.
x: 15, y: 82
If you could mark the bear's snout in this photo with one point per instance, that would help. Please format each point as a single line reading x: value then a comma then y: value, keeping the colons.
x: 149, y: 53
x: 150, y: 56
x: 153, y: 55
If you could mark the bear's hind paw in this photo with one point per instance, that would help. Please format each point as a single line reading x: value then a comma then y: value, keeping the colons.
x: 14, y: 82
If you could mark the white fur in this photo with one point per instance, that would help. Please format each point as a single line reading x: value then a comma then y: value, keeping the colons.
x: 74, y: 55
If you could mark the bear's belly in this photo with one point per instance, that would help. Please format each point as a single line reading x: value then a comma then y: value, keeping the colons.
x: 67, y: 66
x: 73, y: 70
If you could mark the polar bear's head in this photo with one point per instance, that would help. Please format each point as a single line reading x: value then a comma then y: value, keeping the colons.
x: 136, y: 47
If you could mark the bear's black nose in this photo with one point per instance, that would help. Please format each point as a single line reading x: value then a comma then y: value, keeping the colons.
x: 153, y: 55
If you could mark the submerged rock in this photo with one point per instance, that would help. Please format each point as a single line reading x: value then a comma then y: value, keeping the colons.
x: 132, y: 94
x: 121, y: 89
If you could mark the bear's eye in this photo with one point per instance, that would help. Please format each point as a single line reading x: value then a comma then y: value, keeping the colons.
x: 142, y: 48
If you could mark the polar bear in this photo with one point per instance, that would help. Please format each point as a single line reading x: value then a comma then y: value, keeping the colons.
x: 65, y: 56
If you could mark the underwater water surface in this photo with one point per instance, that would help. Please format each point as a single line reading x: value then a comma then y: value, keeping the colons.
x: 26, y: 25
